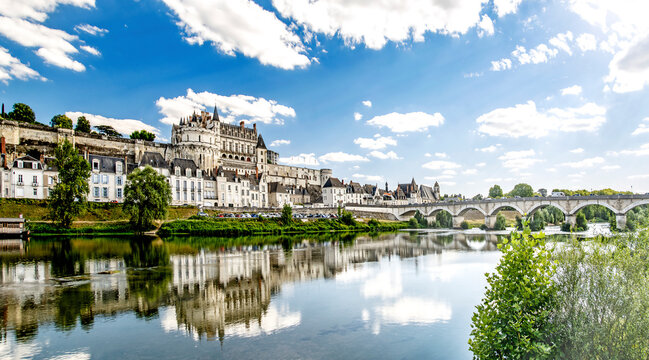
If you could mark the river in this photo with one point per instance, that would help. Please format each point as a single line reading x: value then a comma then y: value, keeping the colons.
x: 403, y: 295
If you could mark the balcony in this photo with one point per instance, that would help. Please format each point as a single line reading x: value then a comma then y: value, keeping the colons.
x: 20, y: 183
x: 35, y: 184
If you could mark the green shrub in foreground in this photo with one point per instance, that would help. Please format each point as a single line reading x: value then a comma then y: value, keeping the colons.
x: 513, y: 320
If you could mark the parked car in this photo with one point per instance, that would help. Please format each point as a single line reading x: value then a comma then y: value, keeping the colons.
x: 200, y: 213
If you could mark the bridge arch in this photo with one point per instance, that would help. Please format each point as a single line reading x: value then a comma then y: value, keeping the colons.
x: 408, y: 214
x: 466, y: 208
x: 634, y: 205
x: 436, y: 210
x: 593, y: 202
x: 500, y: 207
x: 537, y: 207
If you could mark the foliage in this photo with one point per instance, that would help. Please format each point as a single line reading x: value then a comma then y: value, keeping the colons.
x: 519, y: 223
x: 287, y: 214
x: 347, y: 218
x: 464, y: 224
x: 602, y: 298
x: 581, y: 224
x: 501, y: 222
x: 443, y: 219
x: 61, y: 121
x: 477, y: 197
x: 484, y: 227
x: 565, y: 227
x: 22, y: 112
x: 68, y: 197
x: 495, y: 192
x: 521, y: 190
x: 373, y: 223
x: 601, y: 192
x: 143, y: 135
x: 146, y: 197
x: 107, y: 130
x: 98, y: 228
x: 83, y: 125
x: 413, y: 223
x: 513, y: 320
x: 421, y: 220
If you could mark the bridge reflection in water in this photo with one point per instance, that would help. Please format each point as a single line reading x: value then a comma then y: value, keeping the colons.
x: 200, y: 290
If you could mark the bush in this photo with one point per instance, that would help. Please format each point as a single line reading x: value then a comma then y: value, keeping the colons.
x: 347, y: 218
x: 287, y: 214
x: 373, y: 223
x: 565, y: 227
x: 413, y: 223
x: 581, y: 222
x: 501, y: 222
x: 513, y: 320
x: 464, y: 225
x: 484, y: 227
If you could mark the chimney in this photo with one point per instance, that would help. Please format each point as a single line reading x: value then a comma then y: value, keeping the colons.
x: 3, y: 145
x: 241, y: 124
x: 254, y: 127
x: 386, y: 186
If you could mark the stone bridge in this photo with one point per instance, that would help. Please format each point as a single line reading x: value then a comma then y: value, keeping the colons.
x: 569, y: 205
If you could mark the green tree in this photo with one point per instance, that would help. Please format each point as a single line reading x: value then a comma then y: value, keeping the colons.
x: 581, y: 224
x: 495, y: 192
x: 522, y: 190
x: 143, y: 135
x: 464, y: 224
x: 501, y: 222
x: 83, y: 125
x: 287, y: 214
x: 413, y: 223
x: 444, y: 220
x: 513, y: 321
x: 347, y: 218
x: 477, y: 197
x: 22, y: 112
x: 146, y: 197
x: 107, y: 130
x: 68, y: 197
x: 423, y: 223
x: 61, y: 121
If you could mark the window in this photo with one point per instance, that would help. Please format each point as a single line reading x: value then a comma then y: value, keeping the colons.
x: 104, y: 179
x: 192, y: 196
x: 188, y: 172
x: 199, y: 197
x: 34, y: 165
x: 96, y: 191
x: 35, y: 191
x: 185, y: 195
x: 35, y: 180
x: 104, y: 192
x: 199, y: 186
x: 198, y: 173
x: 20, y: 179
x: 118, y: 179
x: 185, y: 186
x: 95, y: 164
x: 199, y: 138
x: 50, y: 180
x: 119, y: 193
x: 192, y: 184
x: 178, y: 195
x: 119, y: 167
x: 178, y: 185
x: 177, y: 171
x: 20, y: 164
x: 95, y: 179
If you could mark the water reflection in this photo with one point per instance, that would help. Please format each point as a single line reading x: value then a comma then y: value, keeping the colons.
x: 208, y: 288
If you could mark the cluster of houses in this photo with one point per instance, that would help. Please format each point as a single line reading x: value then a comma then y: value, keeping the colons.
x: 31, y: 178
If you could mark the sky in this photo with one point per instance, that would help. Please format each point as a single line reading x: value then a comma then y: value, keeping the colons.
x: 469, y: 93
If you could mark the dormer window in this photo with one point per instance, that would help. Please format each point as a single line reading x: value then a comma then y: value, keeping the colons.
x: 20, y: 164
x: 177, y: 171
x: 34, y: 165
x: 95, y: 165
x: 118, y: 167
x: 198, y: 173
x: 188, y: 172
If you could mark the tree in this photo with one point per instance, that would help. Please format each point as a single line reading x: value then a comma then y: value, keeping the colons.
x: 22, y: 112
x: 68, y: 197
x: 413, y: 223
x: 495, y: 192
x: 522, y: 190
x: 83, y: 125
x: 477, y: 197
x: 444, y: 220
x: 423, y: 223
x: 513, y: 321
x: 61, y: 121
x: 287, y: 214
x: 146, y: 197
x: 107, y: 130
x: 143, y: 135
x: 464, y: 225
x: 581, y: 224
x: 501, y: 222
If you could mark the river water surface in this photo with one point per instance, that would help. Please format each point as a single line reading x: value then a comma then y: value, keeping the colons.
x: 403, y: 295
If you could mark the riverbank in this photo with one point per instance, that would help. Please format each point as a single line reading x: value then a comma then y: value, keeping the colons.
x: 239, y: 227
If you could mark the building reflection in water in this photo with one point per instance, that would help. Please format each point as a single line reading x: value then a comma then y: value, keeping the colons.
x: 203, y: 291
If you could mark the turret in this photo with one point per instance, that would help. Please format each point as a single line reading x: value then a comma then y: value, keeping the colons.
x: 215, y: 117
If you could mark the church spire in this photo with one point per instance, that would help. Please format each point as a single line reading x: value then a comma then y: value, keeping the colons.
x: 216, y: 114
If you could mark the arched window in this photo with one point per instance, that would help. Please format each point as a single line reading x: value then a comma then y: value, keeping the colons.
x: 248, y: 159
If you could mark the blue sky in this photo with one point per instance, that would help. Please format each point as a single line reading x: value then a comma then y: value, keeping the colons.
x: 468, y: 93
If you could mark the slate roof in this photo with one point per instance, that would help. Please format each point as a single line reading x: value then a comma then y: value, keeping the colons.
x: 27, y: 162
x: 275, y: 187
x: 260, y: 143
x: 427, y: 192
x: 184, y: 164
x: 153, y: 159
x: 106, y: 163
x: 333, y: 182
x: 355, y: 188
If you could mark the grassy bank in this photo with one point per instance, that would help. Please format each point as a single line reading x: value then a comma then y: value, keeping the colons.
x: 238, y: 227
x: 113, y: 228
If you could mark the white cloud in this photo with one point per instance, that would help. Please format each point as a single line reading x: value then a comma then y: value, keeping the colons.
x: 489, y: 149
x: 562, y: 41
x: 629, y: 69
x: 586, y: 42
x: 572, y: 90
x: 440, y: 165
x: 301, y: 159
x: 279, y: 142
x: 482, y: 164
x: 232, y: 109
x: 414, y: 121
x: 541, y: 54
x: 517, y: 160
x: 341, y: 157
x: 639, y: 176
x: 504, y: 7
x: 53, y: 46
x: 610, y: 167
x: 428, y: 155
x: 123, y: 126
x: 367, y: 103
x: 525, y: 120
x: 642, y: 151
x: 441, y: 155
x: 577, y: 151
x: 502, y: 64
x: 643, y: 128
x: 90, y: 29
x: 376, y: 143
x: 90, y: 50
x: 358, y: 116
x: 449, y: 172
x: 38, y: 9
x: 12, y: 68
x: 384, y: 156
x: 374, y: 23
x: 585, y: 163
x: 368, y: 177
x: 447, y: 183
x: 240, y: 26
x: 485, y: 26
x: 470, y: 172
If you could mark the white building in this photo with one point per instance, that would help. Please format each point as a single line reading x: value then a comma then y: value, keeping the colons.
x: 107, y: 178
x: 186, y: 181
x: 24, y: 180
x: 333, y: 192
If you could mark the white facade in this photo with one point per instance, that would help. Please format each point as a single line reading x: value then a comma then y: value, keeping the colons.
x: 24, y: 180
x: 107, y: 179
